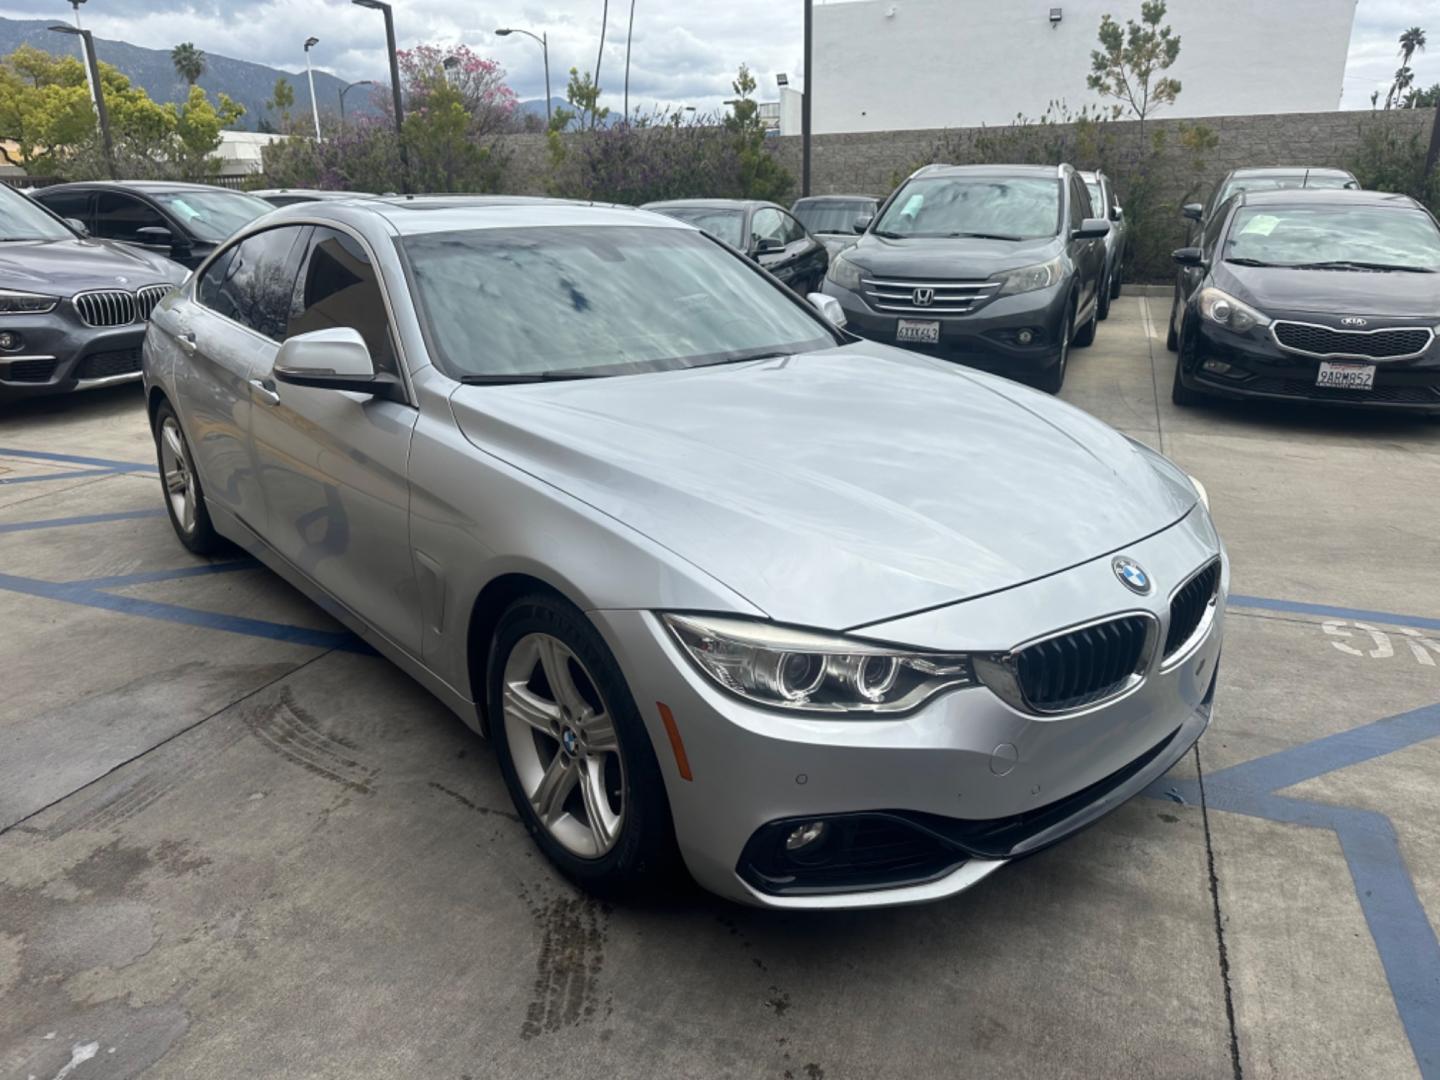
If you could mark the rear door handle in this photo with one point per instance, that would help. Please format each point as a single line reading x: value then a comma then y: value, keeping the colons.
x: 264, y: 389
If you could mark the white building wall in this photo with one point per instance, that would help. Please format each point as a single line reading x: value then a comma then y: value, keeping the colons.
x: 895, y: 64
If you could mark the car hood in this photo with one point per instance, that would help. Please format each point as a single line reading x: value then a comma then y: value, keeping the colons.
x: 841, y: 487
x: 946, y: 258
x: 1334, y: 292
x: 65, y: 267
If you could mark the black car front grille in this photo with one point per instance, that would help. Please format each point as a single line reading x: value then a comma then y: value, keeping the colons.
x: 1383, y: 393
x: 34, y: 371
x: 106, y: 307
x: 147, y: 296
x: 1073, y: 670
x: 1375, y: 345
x: 922, y: 297
x: 104, y: 365
x: 1189, y: 605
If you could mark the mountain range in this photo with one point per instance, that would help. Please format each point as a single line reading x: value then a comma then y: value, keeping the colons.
x: 248, y: 83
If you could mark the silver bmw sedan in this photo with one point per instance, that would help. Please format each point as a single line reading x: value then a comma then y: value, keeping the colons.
x: 833, y: 624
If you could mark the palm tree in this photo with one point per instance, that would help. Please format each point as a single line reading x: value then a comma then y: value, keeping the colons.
x: 189, y: 62
x: 1411, y: 42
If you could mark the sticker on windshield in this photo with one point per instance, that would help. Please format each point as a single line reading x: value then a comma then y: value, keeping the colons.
x: 184, y: 209
x: 1261, y: 225
x: 912, y: 205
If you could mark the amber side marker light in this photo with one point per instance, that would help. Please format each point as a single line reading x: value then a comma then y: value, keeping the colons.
x: 681, y: 761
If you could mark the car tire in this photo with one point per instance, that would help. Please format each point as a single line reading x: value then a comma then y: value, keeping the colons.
x: 589, y: 792
x: 184, y: 496
x: 1085, y: 336
x: 1053, y: 378
x: 1172, y: 339
x: 1102, y: 300
x: 1115, y: 281
x: 1182, y: 395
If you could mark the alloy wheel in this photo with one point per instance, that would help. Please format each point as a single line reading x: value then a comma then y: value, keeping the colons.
x: 563, y: 746
x: 179, y: 479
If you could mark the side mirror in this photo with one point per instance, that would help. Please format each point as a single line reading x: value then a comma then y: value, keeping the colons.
x: 863, y: 222
x: 154, y: 236
x: 1194, y: 211
x: 766, y: 245
x: 334, y: 359
x: 1116, y: 214
x: 1189, y: 256
x: 829, y: 309
x: 79, y: 227
x: 1092, y: 228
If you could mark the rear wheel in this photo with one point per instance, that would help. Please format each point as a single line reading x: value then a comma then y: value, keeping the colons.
x: 1115, y: 280
x: 1172, y: 339
x: 184, y: 498
x: 573, y: 750
x: 1102, y: 300
x: 1085, y: 336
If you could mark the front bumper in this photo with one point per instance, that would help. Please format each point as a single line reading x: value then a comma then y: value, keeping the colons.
x: 59, y: 354
x: 999, y: 782
x: 984, y: 339
x: 1224, y: 364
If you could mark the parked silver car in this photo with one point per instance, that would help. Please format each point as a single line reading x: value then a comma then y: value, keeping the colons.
x: 1106, y: 203
x: 839, y: 625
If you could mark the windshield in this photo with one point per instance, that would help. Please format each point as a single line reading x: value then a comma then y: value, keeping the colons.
x: 832, y: 215
x: 21, y: 219
x: 1286, y: 182
x: 598, y: 300
x: 1015, y: 208
x: 1296, y: 236
x: 212, y: 215
x: 727, y: 225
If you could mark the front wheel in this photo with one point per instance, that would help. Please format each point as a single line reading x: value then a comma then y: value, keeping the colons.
x: 184, y: 498
x: 1054, y: 378
x: 1182, y: 395
x: 1172, y: 339
x: 573, y: 750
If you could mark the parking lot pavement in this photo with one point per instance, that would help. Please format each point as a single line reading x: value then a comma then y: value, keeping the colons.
x: 233, y: 843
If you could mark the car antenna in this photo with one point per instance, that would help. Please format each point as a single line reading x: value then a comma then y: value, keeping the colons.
x: 1305, y: 183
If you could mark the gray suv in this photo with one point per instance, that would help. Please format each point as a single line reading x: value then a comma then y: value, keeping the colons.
x: 996, y: 266
x: 72, y: 310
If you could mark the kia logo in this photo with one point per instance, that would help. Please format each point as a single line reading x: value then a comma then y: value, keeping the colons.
x: 1353, y: 320
x: 923, y: 297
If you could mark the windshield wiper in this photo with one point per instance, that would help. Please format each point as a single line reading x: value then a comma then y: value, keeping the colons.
x: 888, y: 235
x: 529, y: 377
x: 1250, y: 262
x: 984, y: 236
x: 745, y: 358
x: 1352, y: 264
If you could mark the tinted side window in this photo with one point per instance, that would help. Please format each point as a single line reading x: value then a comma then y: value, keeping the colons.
x: 257, y: 284
x: 339, y: 287
x: 768, y: 222
x: 1213, y: 229
x: 71, y: 204
x: 793, y: 230
x: 209, y: 290
x: 120, y: 217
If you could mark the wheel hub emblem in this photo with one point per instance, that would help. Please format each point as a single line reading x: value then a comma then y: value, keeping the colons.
x: 1131, y: 574
x: 570, y: 741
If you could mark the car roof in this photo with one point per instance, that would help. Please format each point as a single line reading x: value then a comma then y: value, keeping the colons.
x: 312, y: 193
x: 1050, y: 172
x: 415, y: 215
x: 143, y: 186
x: 707, y: 204
x: 1323, y: 196
x: 835, y: 198
x: 1288, y: 170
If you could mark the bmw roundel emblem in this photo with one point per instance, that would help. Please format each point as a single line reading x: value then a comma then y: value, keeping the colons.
x: 1131, y: 574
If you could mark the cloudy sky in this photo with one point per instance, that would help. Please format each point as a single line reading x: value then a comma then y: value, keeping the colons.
x: 684, y: 51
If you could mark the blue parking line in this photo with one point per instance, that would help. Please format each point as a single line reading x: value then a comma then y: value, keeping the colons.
x: 82, y: 594
x: 1420, y: 622
x: 1398, y: 923
x: 146, y: 577
x: 86, y: 519
x: 73, y: 474
x: 78, y: 459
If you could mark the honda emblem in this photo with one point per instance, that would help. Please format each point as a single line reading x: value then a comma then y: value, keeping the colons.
x: 923, y: 297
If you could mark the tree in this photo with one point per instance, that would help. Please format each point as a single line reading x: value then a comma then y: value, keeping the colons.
x: 583, y: 97
x: 1427, y: 98
x: 1130, y: 63
x: 478, y: 84
x: 1411, y: 42
x: 189, y: 62
x: 282, y: 100
x: 761, y: 175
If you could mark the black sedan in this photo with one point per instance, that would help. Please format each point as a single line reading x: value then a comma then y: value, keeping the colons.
x: 769, y: 234
x: 836, y: 220
x: 1328, y: 296
x: 72, y: 311
x: 184, y: 221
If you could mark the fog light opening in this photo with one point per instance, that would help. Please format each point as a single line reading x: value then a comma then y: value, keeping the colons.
x: 805, y: 837
x: 1025, y: 337
x: 10, y: 341
x: 1219, y: 367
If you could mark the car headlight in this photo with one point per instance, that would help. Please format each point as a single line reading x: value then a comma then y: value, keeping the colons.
x: 1224, y: 310
x: 1030, y: 278
x: 782, y: 667
x: 844, y: 273
x: 24, y: 303
x: 1200, y: 491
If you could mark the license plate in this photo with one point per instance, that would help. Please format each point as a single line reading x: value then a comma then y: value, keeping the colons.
x: 1346, y: 376
x: 926, y: 333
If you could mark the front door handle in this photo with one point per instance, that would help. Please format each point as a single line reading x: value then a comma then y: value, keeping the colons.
x: 264, y: 390
x: 186, y: 341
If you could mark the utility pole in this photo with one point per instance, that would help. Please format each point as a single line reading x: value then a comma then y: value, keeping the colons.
x: 310, y: 43
x: 805, y: 103
x: 629, y: 33
x: 88, y: 43
x: 88, y: 77
x: 384, y: 9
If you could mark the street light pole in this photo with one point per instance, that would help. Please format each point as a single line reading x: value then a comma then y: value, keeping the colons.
x: 346, y: 89
x: 629, y: 33
x: 384, y: 8
x: 805, y: 104
x: 98, y: 97
x: 544, y: 41
x: 76, y: 5
x: 310, y: 43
